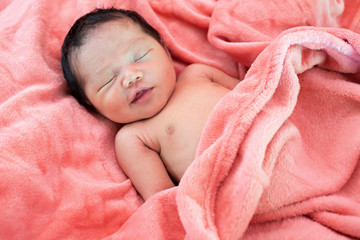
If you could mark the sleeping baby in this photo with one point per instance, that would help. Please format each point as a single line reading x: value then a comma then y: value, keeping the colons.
x: 117, y: 65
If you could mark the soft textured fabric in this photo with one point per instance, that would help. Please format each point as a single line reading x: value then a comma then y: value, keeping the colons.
x: 279, y: 155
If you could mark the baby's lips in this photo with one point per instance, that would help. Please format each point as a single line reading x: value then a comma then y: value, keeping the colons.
x: 135, y: 93
x: 140, y: 94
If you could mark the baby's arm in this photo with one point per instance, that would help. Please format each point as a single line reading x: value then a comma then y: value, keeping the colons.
x: 141, y: 164
x: 214, y: 74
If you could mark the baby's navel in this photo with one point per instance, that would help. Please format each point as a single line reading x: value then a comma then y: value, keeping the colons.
x: 170, y: 128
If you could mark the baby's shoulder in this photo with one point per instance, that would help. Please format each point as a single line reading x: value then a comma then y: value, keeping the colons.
x: 136, y: 133
x: 130, y: 130
x: 195, y: 69
x: 195, y: 72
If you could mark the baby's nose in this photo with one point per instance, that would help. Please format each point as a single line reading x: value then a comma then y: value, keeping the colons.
x: 132, y: 77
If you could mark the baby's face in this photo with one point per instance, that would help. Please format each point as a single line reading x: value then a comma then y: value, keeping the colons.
x: 127, y: 74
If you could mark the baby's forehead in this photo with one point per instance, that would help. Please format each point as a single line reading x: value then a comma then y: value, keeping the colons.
x: 105, y: 40
x: 108, y: 33
x: 122, y: 24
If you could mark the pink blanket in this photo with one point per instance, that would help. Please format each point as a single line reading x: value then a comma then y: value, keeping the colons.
x: 278, y: 158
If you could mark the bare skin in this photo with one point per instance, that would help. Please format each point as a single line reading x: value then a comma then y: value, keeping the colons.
x: 130, y: 78
x: 165, y: 145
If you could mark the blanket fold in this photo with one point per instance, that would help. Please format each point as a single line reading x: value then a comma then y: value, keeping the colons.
x: 279, y: 155
x: 264, y: 125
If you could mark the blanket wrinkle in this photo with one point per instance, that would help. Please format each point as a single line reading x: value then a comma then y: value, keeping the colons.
x: 278, y: 158
x: 199, y: 10
x: 351, y: 16
x: 190, y: 18
x: 262, y: 21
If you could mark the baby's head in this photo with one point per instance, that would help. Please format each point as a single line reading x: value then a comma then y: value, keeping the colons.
x: 117, y: 64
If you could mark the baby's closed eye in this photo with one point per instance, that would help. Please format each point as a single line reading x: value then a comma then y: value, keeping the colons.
x: 141, y: 55
x: 106, y: 83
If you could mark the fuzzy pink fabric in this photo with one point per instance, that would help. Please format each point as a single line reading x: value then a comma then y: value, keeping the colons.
x: 278, y: 158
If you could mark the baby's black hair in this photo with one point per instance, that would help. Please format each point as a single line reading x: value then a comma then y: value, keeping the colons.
x: 75, y: 38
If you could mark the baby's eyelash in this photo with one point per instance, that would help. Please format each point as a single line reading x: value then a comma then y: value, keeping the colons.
x: 143, y: 55
x: 107, y: 83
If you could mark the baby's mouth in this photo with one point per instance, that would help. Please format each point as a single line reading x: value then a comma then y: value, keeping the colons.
x: 141, y: 95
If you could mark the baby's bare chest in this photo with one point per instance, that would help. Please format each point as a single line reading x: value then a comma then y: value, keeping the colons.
x: 186, y: 113
x: 179, y: 126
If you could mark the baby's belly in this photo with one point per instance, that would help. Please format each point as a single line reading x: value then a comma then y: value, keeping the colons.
x: 179, y: 144
x: 177, y: 159
x: 182, y: 123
